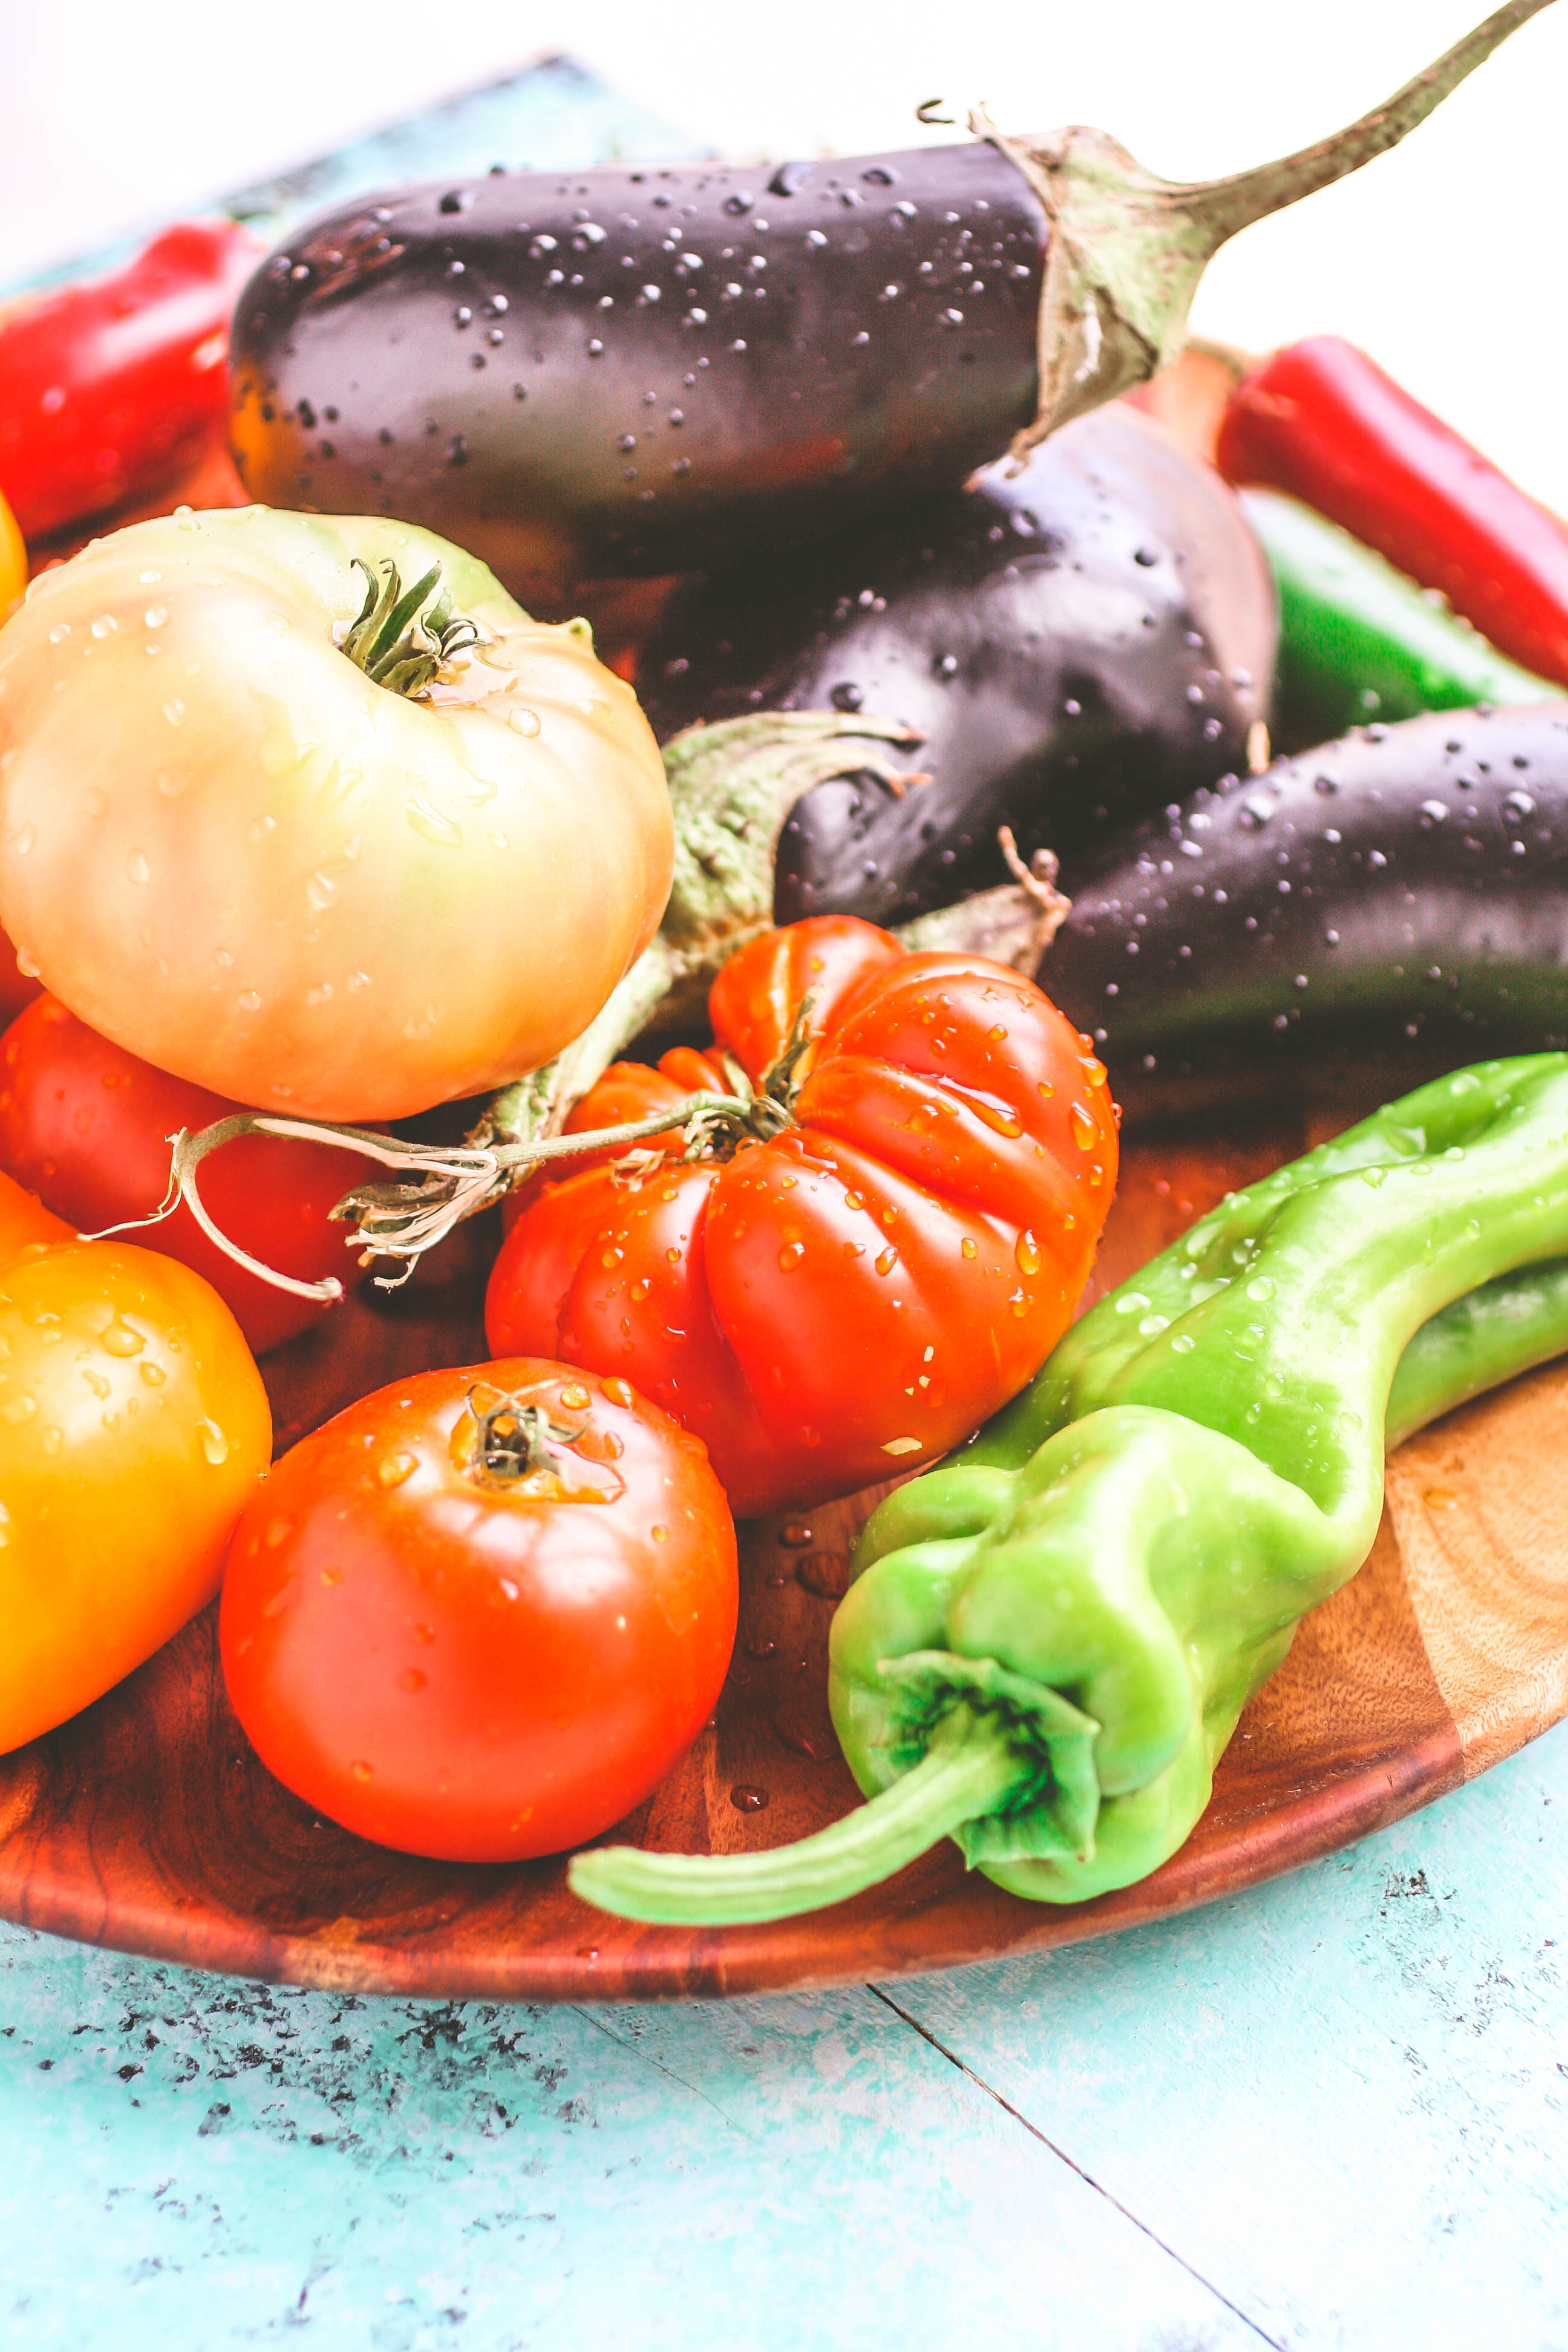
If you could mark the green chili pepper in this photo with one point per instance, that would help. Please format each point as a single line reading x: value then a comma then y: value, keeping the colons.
x: 1360, y: 641
x: 1050, y: 1640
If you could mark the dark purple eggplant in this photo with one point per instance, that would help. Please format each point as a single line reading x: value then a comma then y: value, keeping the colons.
x: 1079, y: 643
x: 1398, y: 896
x: 646, y: 371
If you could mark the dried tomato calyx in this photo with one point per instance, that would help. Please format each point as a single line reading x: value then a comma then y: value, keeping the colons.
x: 719, y: 1124
x: 402, y: 641
x: 504, y: 1442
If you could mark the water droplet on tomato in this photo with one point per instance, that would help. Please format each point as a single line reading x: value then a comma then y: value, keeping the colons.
x: 1085, y: 1128
x: 617, y: 1392
x: 215, y: 1445
x: 1184, y: 1343
x: 1028, y: 1253
x: 105, y: 626
x: 120, y: 1339
x: 887, y: 1260
x: 967, y: 1246
x: 522, y: 721
x: 361, y: 1769
x: 791, y: 1256
x: 576, y: 1397
x: 995, y: 1036
x: 154, y: 1374
x: 1260, y: 1288
x: 660, y: 1535
x: 431, y: 826
x: 397, y: 1467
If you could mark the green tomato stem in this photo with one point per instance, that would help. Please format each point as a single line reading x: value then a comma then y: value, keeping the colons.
x: 970, y: 1769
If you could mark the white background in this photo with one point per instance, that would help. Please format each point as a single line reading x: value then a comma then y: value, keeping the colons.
x: 1447, y: 259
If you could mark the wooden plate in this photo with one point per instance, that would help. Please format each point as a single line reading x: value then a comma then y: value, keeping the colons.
x: 147, y: 1823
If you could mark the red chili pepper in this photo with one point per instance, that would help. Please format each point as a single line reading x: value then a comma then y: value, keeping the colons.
x: 107, y: 388
x: 1323, y: 421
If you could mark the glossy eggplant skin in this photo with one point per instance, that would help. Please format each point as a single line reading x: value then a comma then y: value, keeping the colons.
x: 1081, y: 643
x: 641, y: 371
x: 1399, y: 894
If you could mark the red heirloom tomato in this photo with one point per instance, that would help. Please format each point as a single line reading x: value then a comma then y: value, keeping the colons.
x: 884, y: 1259
x: 480, y: 1614
x: 86, y: 1125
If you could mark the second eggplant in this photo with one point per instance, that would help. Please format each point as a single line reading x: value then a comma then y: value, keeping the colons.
x: 1398, y: 895
x: 1079, y: 643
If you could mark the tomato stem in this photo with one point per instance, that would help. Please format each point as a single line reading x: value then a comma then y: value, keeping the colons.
x: 402, y: 641
x: 971, y: 1768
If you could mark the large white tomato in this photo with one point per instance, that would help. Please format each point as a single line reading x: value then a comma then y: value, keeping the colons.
x: 330, y: 868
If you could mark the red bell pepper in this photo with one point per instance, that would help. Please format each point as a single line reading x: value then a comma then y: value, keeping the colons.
x: 108, y: 388
x: 1323, y: 421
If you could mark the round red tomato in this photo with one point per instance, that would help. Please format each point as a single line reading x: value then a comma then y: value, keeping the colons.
x: 851, y: 1295
x: 86, y: 1125
x: 480, y: 1614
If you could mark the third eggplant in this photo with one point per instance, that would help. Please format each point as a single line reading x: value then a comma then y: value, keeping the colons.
x: 1399, y: 894
x: 1079, y: 644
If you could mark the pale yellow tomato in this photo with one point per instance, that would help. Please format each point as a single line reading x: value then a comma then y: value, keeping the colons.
x: 226, y: 847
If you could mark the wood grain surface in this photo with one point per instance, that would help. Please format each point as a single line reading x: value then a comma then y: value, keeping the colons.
x: 148, y: 1824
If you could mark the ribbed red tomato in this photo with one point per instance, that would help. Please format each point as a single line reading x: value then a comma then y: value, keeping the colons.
x: 852, y: 1295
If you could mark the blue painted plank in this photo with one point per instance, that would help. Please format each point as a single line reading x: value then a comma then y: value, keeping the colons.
x: 209, y: 2164
x: 1343, y: 2098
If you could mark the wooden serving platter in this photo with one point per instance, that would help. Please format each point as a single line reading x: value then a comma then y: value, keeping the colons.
x: 148, y: 1824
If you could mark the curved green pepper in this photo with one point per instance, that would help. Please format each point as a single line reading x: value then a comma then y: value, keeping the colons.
x: 1049, y: 1641
x: 1360, y: 641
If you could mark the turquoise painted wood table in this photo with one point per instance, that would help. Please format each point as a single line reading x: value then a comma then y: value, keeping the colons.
x: 1331, y: 2113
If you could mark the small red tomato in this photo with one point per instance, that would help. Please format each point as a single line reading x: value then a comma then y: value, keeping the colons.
x: 86, y: 1125
x: 888, y: 1256
x: 481, y: 1614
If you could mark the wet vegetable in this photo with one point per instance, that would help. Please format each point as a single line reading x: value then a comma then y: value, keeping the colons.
x: 13, y: 561
x: 310, y: 814
x: 1403, y: 886
x: 640, y: 371
x: 1358, y: 641
x: 111, y: 387
x: 480, y: 1613
x: 86, y: 1125
x: 1077, y: 643
x: 1049, y: 1641
x: 869, y: 1254
x: 1323, y: 421
x: 133, y: 1427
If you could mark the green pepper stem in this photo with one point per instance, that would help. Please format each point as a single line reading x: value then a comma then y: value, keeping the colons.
x: 970, y: 1769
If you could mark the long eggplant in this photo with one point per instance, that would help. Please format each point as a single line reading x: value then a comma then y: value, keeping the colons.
x: 626, y: 371
x: 1396, y: 897
x: 1079, y: 644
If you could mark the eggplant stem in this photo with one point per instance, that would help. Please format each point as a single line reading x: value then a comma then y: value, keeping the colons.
x: 1127, y: 248
x: 970, y: 1769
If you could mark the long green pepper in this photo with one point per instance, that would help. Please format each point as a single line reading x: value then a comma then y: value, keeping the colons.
x: 1360, y: 641
x: 1049, y: 1641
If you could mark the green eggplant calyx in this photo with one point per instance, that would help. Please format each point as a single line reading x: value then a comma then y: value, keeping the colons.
x: 975, y: 1763
x: 402, y: 641
x: 1127, y: 249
